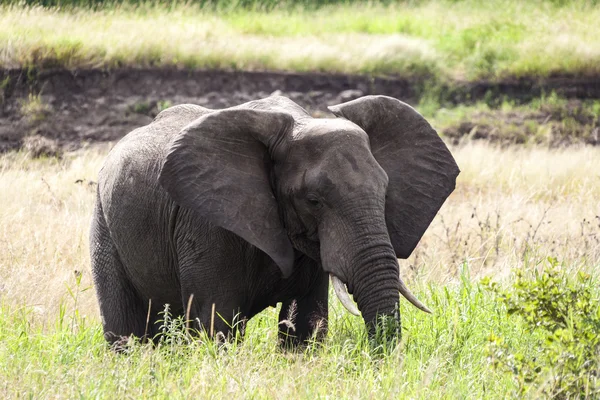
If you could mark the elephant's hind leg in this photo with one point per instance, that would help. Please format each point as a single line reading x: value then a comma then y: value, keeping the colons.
x: 123, y: 312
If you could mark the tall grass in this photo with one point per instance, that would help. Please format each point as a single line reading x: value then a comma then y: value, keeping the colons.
x: 442, y: 356
x: 444, y: 40
x: 512, y: 208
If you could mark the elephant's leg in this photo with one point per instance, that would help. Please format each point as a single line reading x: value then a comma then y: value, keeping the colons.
x: 211, y: 263
x: 211, y: 302
x: 304, y: 318
x: 218, y: 316
x: 123, y: 313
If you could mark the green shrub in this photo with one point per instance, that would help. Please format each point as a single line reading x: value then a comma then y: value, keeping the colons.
x: 563, y: 315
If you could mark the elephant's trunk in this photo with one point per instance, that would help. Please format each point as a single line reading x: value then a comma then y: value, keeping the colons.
x: 375, y: 282
x: 359, y: 253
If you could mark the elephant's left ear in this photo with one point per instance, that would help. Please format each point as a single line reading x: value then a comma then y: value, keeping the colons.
x: 422, y: 172
x: 219, y: 166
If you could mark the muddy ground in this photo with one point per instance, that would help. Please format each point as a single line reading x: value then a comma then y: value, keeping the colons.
x: 47, y: 112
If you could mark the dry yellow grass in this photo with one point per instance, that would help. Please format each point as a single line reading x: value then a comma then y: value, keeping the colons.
x: 44, y: 220
x: 510, y: 204
x: 512, y: 208
x: 186, y: 38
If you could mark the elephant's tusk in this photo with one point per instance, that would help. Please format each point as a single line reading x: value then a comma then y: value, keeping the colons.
x: 411, y: 297
x: 342, y: 294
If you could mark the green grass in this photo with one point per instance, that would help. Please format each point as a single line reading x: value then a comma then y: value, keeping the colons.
x: 453, y: 353
x: 548, y: 120
x: 442, y: 356
x: 443, y: 40
x: 512, y: 207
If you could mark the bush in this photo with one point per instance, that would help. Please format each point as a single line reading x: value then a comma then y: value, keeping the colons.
x: 562, y: 315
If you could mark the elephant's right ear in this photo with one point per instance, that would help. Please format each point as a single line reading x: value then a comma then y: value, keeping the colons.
x: 219, y: 166
x: 422, y: 172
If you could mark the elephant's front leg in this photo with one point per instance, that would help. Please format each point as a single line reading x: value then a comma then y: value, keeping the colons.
x: 212, y: 305
x: 211, y: 277
x: 221, y: 318
x: 305, y: 318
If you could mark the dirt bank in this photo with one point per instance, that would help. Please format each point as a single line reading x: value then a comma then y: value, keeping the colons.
x: 65, y: 109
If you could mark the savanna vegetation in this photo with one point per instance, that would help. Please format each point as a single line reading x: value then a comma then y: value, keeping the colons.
x: 441, y: 40
x: 509, y: 266
x: 516, y: 244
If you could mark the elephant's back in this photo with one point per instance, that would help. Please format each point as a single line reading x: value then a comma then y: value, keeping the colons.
x: 148, y: 143
x: 137, y: 158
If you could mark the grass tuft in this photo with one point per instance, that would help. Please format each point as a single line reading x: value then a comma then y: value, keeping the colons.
x: 34, y: 108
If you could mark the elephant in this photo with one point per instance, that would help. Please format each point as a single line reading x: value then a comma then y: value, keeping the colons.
x: 223, y: 213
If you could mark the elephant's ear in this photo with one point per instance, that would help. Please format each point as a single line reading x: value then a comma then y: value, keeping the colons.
x: 422, y: 172
x: 219, y: 166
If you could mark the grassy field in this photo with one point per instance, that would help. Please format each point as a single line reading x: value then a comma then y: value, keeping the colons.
x: 442, y: 40
x: 511, y: 210
x: 518, y: 214
x: 548, y: 121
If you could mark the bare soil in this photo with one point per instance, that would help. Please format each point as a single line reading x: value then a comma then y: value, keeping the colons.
x: 47, y: 112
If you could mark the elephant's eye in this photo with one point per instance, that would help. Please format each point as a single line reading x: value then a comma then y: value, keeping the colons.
x: 313, y: 201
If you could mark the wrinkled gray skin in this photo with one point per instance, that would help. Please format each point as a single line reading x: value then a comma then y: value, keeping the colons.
x: 257, y: 204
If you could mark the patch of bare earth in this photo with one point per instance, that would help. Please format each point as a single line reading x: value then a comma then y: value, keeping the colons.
x: 49, y: 112
x: 71, y: 109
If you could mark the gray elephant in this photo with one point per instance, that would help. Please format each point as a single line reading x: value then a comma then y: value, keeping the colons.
x: 226, y: 212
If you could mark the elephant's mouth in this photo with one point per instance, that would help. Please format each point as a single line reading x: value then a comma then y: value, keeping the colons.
x: 342, y: 293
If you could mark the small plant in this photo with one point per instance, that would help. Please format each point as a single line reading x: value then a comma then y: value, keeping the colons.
x: 150, y: 107
x: 142, y: 107
x: 172, y: 331
x: 4, y: 82
x: 3, y: 85
x: 563, y: 316
x: 163, y: 105
x: 34, y: 108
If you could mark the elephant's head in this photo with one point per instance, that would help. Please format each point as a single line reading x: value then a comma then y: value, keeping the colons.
x: 354, y: 192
